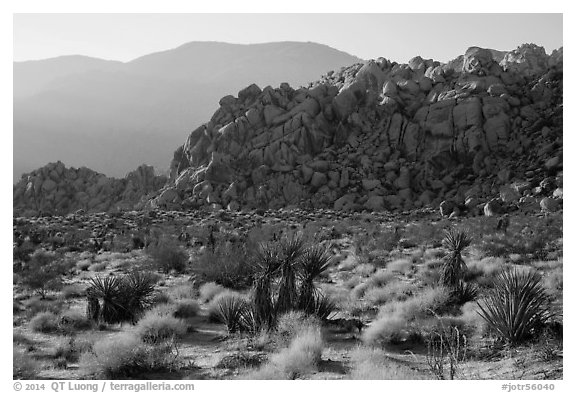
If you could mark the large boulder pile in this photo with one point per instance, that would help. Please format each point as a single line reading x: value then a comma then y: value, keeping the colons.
x: 381, y: 136
x: 55, y: 189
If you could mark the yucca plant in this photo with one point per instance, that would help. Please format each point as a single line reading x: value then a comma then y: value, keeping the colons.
x: 138, y: 291
x: 232, y: 310
x: 323, y: 307
x: 454, y: 267
x: 291, y: 251
x: 123, y: 298
x: 267, y: 262
x: 314, y: 262
x: 517, y: 305
x: 109, y: 291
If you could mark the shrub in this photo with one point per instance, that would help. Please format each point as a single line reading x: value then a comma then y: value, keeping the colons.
x: 187, y: 308
x: 98, y: 266
x: 83, y: 264
x: 72, y: 320
x: 400, y: 266
x: 302, y: 356
x: 183, y: 292
x: 44, y: 322
x: 72, y: 292
x: 209, y: 290
x: 153, y: 328
x: 398, y: 321
x: 517, y: 306
x: 168, y: 255
x: 380, y: 278
x: 36, y: 306
x: 44, y: 272
x: 291, y: 251
x: 291, y: 323
x: 125, y: 356
x: 227, y: 264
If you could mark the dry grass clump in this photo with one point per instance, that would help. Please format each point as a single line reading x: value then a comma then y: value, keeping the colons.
x: 44, y: 322
x: 83, y: 264
x: 398, y: 290
x: 182, y: 291
x: 156, y: 326
x: 364, y: 269
x: 186, y: 308
x: 126, y: 356
x: 398, y: 320
x: 98, y: 266
x: 300, y: 358
x: 402, y: 266
x: 374, y: 364
x: 209, y: 290
x: 292, y: 323
x: 380, y: 278
x: 359, y: 290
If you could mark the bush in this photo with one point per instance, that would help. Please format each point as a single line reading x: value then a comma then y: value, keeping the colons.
x: 71, y: 320
x: 302, y: 356
x: 227, y: 264
x: 214, y: 305
x: 44, y: 272
x: 44, y: 322
x: 98, y: 266
x: 168, y: 255
x: 72, y: 292
x: 154, y: 328
x: 36, y: 306
x: 398, y: 321
x: 517, y: 307
x: 182, y: 292
x: 125, y: 356
x: 234, y: 311
x: 186, y: 308
x: 209, y: 290
x: 291, y: 323
x: 83, y: 264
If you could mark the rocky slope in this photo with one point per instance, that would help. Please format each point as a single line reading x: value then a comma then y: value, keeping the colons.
x: 384, y: 136
x: 55, y: 189
x: 471, y: 136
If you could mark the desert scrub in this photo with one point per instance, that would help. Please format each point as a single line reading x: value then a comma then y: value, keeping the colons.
x: 167, y: 255
x: 301, y: 357
x: 155, y: 327
x: 44, y: 272
x: 126, y: 356
x: 44, y: 322
x: 209, y: 290
x: 398, y: 320
x: 186, y: 308
x: 517, y: 307
x: 397, y: 290
x: 374, y: 364
x: 290, y: 324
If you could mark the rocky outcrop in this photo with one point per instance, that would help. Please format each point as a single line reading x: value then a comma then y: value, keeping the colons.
x: 55, y: 189
x: 380, y: 136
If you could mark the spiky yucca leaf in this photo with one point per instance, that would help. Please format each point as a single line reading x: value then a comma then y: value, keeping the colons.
x: 315, y: 261
x: 454, y: 267
x: 517, y: 305
x: 232, y: 310
x: 292, y: 250
x: 267, y: 262
x: 323, y: 306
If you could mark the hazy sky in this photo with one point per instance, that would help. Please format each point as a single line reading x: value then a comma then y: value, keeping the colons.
x: 398, y: 37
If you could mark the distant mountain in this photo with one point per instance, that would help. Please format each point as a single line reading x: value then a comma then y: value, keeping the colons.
x: 112, y: 116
